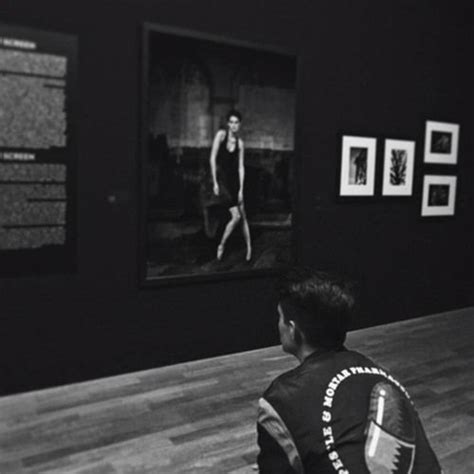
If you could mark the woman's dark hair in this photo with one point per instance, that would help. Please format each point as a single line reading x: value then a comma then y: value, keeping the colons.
x: 320, y: 305
x: 233, y: 113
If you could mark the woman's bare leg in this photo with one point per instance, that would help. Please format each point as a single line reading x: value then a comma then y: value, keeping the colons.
x: 234, y: 220
x: 246, y: 232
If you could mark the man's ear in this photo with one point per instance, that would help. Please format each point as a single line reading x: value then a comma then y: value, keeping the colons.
x: 293, y: 328
x: 295, y: 332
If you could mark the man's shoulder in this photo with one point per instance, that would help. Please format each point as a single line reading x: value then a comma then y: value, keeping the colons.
x: 281, y: 382
x: 314, y: 371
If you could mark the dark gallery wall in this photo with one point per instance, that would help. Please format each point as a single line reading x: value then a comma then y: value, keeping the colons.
x: 368, y: 68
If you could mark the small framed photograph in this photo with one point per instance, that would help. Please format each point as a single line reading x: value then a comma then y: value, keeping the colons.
x: 439, y: 195
x: 441, y: 143
x: 399, y: 161
x: 357, y: 166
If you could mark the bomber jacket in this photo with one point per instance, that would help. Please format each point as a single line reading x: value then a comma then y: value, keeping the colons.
x: 339, y: 412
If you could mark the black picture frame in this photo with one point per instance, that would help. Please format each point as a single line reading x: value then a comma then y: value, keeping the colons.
x: 190, y: 80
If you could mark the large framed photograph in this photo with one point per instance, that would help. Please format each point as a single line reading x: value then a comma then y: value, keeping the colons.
x: 357, y: 166
x: 399, y: 162
x: 218, y: 157
x: 441, y: 143
x: 439, y: 195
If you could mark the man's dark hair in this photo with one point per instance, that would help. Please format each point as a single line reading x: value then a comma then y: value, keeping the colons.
x: 233, y: 113
x: 319, y: 304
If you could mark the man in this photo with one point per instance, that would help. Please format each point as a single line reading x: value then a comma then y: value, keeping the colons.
x: 338, y: 411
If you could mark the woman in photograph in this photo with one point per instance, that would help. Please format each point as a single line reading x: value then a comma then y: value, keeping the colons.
x: 228, y: 174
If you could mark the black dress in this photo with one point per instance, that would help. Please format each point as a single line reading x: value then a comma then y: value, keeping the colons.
x: 227, y: 164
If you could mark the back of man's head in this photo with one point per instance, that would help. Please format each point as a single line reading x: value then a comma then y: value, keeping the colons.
x: 319, y: 304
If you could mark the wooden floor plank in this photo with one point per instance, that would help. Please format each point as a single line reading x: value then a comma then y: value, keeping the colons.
x: 199, y: 417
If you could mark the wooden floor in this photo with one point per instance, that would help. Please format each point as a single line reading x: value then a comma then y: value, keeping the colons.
x: 200, y: 417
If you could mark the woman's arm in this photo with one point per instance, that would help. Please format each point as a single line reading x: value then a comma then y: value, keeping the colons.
x: 214, y: 150
x: 241, y: 170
